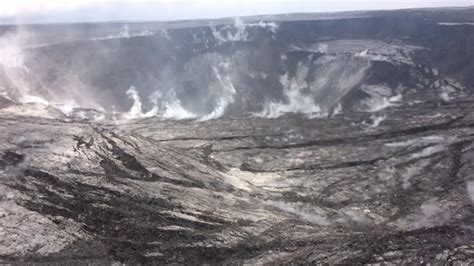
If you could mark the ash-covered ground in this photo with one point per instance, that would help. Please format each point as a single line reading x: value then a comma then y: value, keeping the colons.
x: 343, y: 138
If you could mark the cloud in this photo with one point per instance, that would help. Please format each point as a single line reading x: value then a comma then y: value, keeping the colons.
x: 103, y: 10
x: 24, y: 7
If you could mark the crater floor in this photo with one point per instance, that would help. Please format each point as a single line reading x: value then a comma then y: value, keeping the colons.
x: 242, y: 189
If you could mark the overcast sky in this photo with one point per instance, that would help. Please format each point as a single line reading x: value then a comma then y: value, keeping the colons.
x: 46, y: 11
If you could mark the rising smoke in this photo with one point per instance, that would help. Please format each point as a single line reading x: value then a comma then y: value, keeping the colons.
x: 134, y: 71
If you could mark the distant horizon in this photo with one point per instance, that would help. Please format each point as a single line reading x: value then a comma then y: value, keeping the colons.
x: 142, y: 11
x: 226, y: 17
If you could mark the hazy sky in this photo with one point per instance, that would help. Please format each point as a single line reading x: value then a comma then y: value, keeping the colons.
x: 32, y: 11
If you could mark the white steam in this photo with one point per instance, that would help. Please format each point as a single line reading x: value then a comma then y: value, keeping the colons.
x: 12, y: 62
x: 11, y: 56
x: 298, y: 102
x: 239, y: 31
x: 33, y: 99
x: 125, y: 33
x: 67, y: 107
x: 173, y: 108
x: 375, y: 104
x: 22, y: 85
x: 337, y: 109
x: 226, y: 96
x: 270, y: 26
x: 136, y: 109
x: 169, y: 108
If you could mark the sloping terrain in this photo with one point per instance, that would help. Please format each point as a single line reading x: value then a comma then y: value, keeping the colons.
x: 290, y: 189
x: 338, y: 141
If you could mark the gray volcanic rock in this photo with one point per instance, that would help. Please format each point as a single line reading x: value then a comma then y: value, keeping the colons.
x: 242, y: 189
x: 347, y: 140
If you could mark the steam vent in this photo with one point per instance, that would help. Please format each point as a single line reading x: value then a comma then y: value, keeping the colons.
x: 338, y: 138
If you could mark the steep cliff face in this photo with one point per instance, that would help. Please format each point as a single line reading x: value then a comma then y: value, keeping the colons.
x: 343, y: 140
x: 240, y: 67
